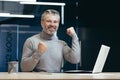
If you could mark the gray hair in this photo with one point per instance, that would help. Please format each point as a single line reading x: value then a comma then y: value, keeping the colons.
x: 50, y: 11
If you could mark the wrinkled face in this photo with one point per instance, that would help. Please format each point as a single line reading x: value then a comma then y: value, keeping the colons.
x: 50, y: 24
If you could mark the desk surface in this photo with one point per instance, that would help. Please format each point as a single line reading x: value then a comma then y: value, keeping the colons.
x: 57, y: 76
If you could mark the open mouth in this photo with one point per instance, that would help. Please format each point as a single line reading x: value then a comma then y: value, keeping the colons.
x: 51, y: 29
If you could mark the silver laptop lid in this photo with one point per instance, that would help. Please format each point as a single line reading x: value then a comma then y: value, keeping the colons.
x: 102, y: 56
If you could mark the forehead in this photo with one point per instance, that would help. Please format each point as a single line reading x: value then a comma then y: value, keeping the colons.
x: 51, y: 17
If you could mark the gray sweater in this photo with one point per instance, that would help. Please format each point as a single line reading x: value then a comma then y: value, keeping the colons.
x: 51, y: 60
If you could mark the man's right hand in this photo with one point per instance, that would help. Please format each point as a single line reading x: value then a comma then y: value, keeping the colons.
x: 42, y: 47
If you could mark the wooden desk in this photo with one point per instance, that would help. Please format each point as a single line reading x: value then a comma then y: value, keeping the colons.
x: 57, y: 76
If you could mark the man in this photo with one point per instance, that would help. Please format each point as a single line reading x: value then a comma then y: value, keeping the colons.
x: 44, y: 51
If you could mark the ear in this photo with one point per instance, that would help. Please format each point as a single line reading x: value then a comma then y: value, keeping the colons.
x: 42, y: 23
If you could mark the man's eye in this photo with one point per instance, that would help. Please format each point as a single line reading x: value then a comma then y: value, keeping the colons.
x: 48, y: 21
x: 55, y: 21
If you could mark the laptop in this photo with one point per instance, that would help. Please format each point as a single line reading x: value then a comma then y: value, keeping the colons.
x: 99, y: 64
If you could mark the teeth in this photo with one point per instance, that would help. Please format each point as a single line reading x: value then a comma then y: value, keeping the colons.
x: 51, y: 28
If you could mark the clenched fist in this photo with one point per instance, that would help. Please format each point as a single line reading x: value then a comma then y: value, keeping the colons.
x: 42, y: 47
x: 70, y: 31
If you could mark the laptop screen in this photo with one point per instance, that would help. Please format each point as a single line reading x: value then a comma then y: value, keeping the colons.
x: 102, y: 56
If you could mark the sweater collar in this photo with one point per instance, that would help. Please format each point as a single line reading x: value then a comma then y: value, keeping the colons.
x: 48, y: 37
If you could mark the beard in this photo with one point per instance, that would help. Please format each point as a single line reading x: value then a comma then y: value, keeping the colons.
x: 51, y: 30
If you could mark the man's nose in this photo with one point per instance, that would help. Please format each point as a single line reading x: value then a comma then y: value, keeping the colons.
x: 52, y: 23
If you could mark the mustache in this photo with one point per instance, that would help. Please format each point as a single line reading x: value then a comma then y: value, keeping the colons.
x: 51, y: 27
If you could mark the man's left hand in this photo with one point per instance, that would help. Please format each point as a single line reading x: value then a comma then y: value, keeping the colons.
x: 70, y: 31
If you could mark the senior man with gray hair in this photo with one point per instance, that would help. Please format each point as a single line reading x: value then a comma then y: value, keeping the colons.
x: 44, y: 52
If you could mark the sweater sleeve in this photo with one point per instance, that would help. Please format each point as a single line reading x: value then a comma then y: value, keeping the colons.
x: 72, y: 54
x: 30, y: 57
